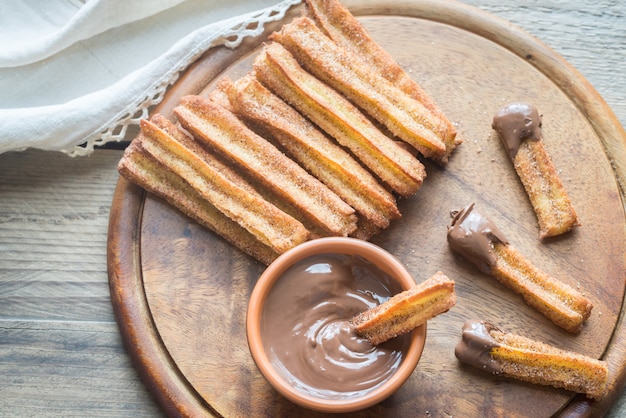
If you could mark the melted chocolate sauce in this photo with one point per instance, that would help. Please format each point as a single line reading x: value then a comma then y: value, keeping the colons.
x: 516, y: 123
x: 472, y: 235
x: 476, y: 345
x: 306, y: 330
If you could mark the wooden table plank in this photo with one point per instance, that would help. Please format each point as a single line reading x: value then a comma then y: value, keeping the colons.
x: 68, y: 368
x: 60, y: 349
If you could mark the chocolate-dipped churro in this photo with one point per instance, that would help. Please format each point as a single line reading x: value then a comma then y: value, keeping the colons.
x: 479, y: 241
x: 487, y: 348
x: 519, y: 128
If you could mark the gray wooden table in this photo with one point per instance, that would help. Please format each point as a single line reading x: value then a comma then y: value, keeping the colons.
x: 60, y: 350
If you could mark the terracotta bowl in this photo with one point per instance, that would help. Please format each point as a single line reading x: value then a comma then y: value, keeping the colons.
x: 348, y: 246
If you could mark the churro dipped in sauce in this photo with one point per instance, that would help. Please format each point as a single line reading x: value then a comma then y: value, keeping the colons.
x: 519, y: 128
x: 486, y: 347
x: 480, y: 242
x: 476, y: 345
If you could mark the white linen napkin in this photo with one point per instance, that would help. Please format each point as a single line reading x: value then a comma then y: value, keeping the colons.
x: 41, y: 39
x: 102, y: 116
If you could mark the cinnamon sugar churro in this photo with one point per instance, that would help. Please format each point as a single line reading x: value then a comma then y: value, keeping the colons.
x: 220, y: 129
x: 214, y: 182
x: 345, y: 30
x: 144, y: 171
x: 313, y: 150
x: 519, y: 128
x: 277, y: 69
x: 406, y: 310
x: 479, y: 241
x: 286, y: 154
x: 487, y: 348
x: 405, y: 117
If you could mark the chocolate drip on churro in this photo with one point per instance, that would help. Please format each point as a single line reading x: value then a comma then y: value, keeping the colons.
x: 516, y: 123
x: 519, y: 129
x: 476, y: 345
x: 472, y: 235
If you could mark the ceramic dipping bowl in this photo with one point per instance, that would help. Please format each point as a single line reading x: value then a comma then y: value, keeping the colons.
x: 262, y: 334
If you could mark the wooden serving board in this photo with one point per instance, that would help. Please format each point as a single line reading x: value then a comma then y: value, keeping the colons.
x: 180, y: 293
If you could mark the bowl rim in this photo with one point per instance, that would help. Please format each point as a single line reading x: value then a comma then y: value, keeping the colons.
x: 326, y: 245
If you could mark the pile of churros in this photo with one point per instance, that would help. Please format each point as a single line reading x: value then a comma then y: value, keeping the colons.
x: 319, y: 139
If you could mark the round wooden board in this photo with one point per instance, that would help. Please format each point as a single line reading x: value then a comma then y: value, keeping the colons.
x: 180, y: 293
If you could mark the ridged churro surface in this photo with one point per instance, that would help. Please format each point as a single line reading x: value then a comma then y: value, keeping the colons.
x: 276, y: 68
x: 403, y: 116
x: 221, y: 130
x: 313, y: 150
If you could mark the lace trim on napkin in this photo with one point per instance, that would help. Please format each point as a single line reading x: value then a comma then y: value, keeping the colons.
x: 229, y: 35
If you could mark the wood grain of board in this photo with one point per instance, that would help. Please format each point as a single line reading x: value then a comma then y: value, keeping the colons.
x: 180, y: 292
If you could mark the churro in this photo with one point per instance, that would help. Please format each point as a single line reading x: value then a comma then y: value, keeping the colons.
x: 277, y: 69
x: 313, y: 150
x: 221, y: 130
x: 338, y: 23
x: 144, y: 171
x: 487, y: 348
x: 405, y: 117
x: 406, y: 310
x: 479, y: 241
x: 519, y: 128
x: 222, y: 188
